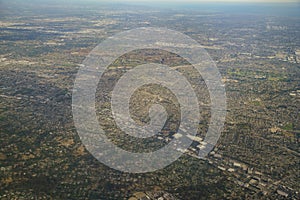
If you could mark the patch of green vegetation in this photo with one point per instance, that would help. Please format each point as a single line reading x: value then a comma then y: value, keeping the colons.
x: 288, y: 127
x: 257, y: 103
x: 271, y: 76
x: 277, y: 77
x: 2, y: 117
x: 238, y: 73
